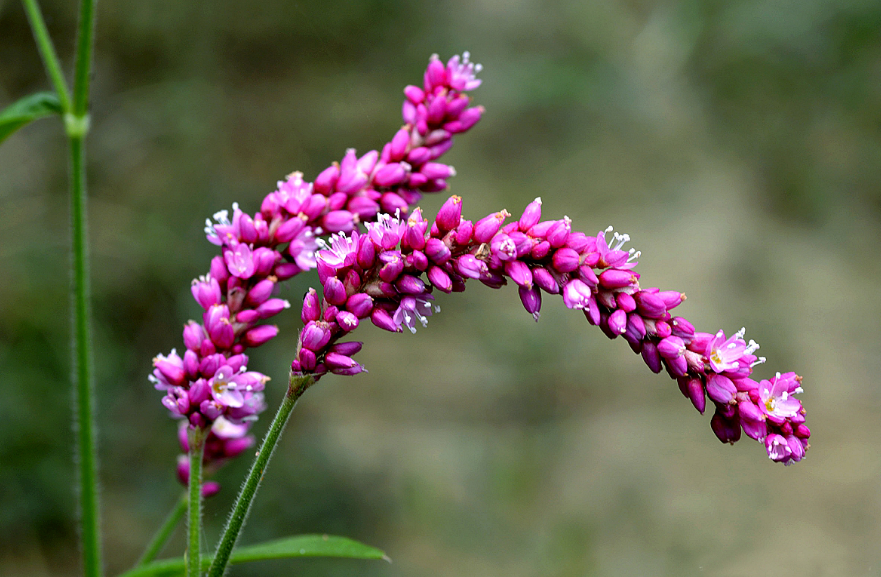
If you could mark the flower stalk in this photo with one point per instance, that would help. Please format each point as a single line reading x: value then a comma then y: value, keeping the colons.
x: 297, y: 386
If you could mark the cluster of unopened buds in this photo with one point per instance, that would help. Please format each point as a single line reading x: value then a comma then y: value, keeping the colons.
x: 379, y: 259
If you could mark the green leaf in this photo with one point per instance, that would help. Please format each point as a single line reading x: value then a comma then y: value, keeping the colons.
x: 297, y: 546
x: 26, y: 110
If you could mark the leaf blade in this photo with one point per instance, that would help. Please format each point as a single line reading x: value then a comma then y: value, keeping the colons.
x: 284, y: 548
x: 26, y: 110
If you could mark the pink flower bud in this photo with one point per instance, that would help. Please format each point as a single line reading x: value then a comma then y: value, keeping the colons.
x: 720, y: 389
x: 314, y: 336
x: 437, y: 251
x: 346, y: 321
x: 651, y: 357
x: 450, y: 214
x: 531, y: 215
x: 519, y: 272
x: 565, y: 260
x: 260, y: 292
x: 440, y: 279
x: 259, y: 335
x: 545, y: 280
x: 334, y: 291
x: 382, y: 319
x: 360, y: 305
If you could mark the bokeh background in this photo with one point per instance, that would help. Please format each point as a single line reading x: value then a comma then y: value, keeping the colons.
x: 739, y: 143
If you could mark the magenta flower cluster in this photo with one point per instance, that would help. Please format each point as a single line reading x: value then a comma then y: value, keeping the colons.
x: 389, y: 273
x: 210, y: 382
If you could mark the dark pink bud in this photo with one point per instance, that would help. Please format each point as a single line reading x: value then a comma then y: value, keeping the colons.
x: 614, y: 278
x: 693, y: 389
x: 334, y: 291
x: 314, y: 336
x: 391, y: 174
x: 802, y: 432
x: 327, y: 179
x: 580, y: 242
x: 414, y: 94
x: 464, y: 232
x: 649, y: 305
x: 436, y: 109
x: 206, y: 293
x: 469, y: 266
x: 193, y: 335
x: 540, y: 250
x: 671, y: 347
x: 417, y: 260
x: 211, y: 363
x: 348, y: 349
x: 409, y: 112
x: 488, y: 226
x: 450, y: 214
x: 565, y: 260
x: 435, y: 74
x: 337, y: 200
x: 398, y: 146
x: 363, y: 207
x: 726, y: 429
x: 531, y: 299
x: 236, y: 362
x: 311, y: 307
x: 618, y: 322
x: 651, y: 357
x: 347, y: 321
x: 392, y: 202
x: 417, y: 157
x: 531, y: 215
x: 247, y: 316
x: 433, y: 170
x: 330, y: 314
x: 199, y: 392
x: 217, y: 324
x: 558, y: 234
x: 677, y: 367
x: 671, y: 299
x: 440, y: 279
x: 635, y: 331
x: 469, y: 118
x: 625, y: 302
x: 289, y: 229
x: 545, y: 280
x: 286, y: 270
x: 272, y: 307
x: 437, y: 251
x: 338, y: 221
x: 382, y: 319
x: 663, y: 329
x: 519, y: 273
x: 360, y: 305
x: 682, y: 328
x: 393, y: 267
x: 307, y: 359
x: 260, y: 292
x: 219, y: 272
x: 456, y: 105
x: 313, y: 206
x: 410, y: 285
x: 259, y: 335
x: 720, y: 389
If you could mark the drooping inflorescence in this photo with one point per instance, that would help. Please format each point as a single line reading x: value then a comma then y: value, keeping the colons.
x: 389, y: 273
x: 211, y: 381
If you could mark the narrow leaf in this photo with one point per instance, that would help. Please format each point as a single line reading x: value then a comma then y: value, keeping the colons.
x: 26, y: 110
x: 288, y: 547
x: 307, y: 546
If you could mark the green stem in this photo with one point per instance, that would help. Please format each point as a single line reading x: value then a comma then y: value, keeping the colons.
x: 85, y: 42
x: 47, y: 52
x: 197, y: 437
x: 87, y: 453
x: 297, y: 386
x: 162, y: 535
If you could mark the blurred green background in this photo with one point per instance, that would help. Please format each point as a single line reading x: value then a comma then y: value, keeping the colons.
x: 739, y: 143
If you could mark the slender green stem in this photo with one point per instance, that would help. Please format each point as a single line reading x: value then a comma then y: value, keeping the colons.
x: 197, y: 437
x: 85, y: 42
x: 47, y: 52
x: 87, y: 453
x: 297, y: 386
x: 164, y: 533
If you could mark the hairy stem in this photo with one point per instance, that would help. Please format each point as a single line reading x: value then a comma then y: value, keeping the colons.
x: 197, y: 437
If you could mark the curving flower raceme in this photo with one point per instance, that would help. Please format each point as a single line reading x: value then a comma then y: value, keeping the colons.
x: 389, y: 274
x: 211, y: 381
